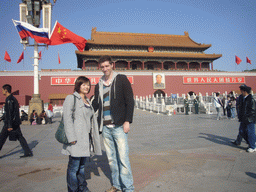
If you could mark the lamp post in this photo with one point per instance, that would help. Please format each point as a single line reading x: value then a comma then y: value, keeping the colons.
x: 30, y: 11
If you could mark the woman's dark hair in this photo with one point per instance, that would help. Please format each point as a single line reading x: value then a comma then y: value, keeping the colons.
x: 79, y: 81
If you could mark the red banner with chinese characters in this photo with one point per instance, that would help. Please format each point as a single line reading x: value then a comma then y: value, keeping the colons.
x: 71, y: 80
x: 213, y: 80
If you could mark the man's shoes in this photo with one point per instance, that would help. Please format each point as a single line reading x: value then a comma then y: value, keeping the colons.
x: 27, y: 155
x: 113, y: 189
x: 235, y: 143
x: 250, y: 150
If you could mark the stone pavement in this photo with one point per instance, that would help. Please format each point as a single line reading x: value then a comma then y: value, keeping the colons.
x: 167, y: 153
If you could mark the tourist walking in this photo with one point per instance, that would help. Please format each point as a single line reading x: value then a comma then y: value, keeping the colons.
x: 246, y: 118
x: 79, y: 122
x: 114, y: 99
x: 12, y: 122
x: 217, y: 104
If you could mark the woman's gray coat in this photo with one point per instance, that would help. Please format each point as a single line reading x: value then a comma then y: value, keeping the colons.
x: 78, y: 130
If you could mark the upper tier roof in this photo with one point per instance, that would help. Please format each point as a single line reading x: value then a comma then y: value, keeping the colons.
x: 144, y: 39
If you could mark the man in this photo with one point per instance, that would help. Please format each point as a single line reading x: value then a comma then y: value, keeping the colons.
x: 114, y: 99
x: 12, y: 122
x: 246, y: 118
x: 217, y: 104
x: 159, y: 84
x: 186, y: 104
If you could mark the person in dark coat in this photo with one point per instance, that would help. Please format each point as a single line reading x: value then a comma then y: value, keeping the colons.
x: 12, y: 122
x: 186, y: 105
x: 196, y: 104
x: 24, y: 116
x: 246, y: 116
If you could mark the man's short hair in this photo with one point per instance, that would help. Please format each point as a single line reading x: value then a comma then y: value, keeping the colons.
x: 159, y: 75
x: 245, y: 88
x: 217, y: 94
x: 104, y: 58
x: 7, y: 87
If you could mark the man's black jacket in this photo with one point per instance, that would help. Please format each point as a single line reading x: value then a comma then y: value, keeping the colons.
x: 11, y: 116
x: 121, y: 102
x: 247, y: 110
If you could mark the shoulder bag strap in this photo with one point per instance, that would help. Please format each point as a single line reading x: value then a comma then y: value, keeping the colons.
x: 74, y: 108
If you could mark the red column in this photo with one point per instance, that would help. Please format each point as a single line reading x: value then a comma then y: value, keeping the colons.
x: 212, y: 65
x: 143, y: 65
x: 114, y: 65
x: 200, y: 66
x: 129, y: 65
x: 175, y: 64
x: 162, y: 66
x: 188, y: 65
x: 98, y: 66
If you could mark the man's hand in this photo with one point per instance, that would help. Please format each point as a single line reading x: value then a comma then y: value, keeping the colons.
x: 10, y: 129
x: 73, y: 142
x: 126, y: 126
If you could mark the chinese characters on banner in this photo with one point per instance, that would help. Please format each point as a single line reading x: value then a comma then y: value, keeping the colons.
x: 71, y: 80
x: 213, y: 80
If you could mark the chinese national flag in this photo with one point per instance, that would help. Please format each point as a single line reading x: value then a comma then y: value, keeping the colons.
x: 7, y: 57
x: 21, y: 57
x: 61, y: 35
x: 40, y: 55
x: 238, y: 60
x: 248, y: 60
x: 59, y: 58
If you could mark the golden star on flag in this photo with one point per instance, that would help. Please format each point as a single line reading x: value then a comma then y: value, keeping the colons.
x: 59, y: 31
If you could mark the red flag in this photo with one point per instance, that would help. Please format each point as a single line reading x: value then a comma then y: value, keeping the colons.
x: 7, y: 57
x: 248, y: 60
x: 21, y: 57
x: 61, y: 35
x: 40, y: 55
x: 59, y: 58
x: 238, y: 60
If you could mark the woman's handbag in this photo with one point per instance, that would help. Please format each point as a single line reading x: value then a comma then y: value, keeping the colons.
x: 60, y: 134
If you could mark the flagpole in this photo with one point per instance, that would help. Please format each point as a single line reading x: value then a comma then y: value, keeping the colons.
x: 36, y: 79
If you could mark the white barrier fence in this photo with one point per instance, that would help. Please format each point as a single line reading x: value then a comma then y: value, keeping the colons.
x: 175, y: 103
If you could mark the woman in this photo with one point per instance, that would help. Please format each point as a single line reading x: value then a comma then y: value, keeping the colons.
x: 50, y: 112
x: 233, y: 108
x: 43, y: 119
x: 228, y: 107
x: 79, y: 121
x: 33, y: 118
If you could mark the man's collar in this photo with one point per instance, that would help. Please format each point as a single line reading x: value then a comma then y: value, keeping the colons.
x: 246, y: 96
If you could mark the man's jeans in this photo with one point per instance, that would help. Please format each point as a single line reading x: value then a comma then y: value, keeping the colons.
x: 116, y: 144
x: 242, y: 134
x: 218, y: 113
x: 233, y: 112
x: 76, y: 175
x: 247, y: 131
